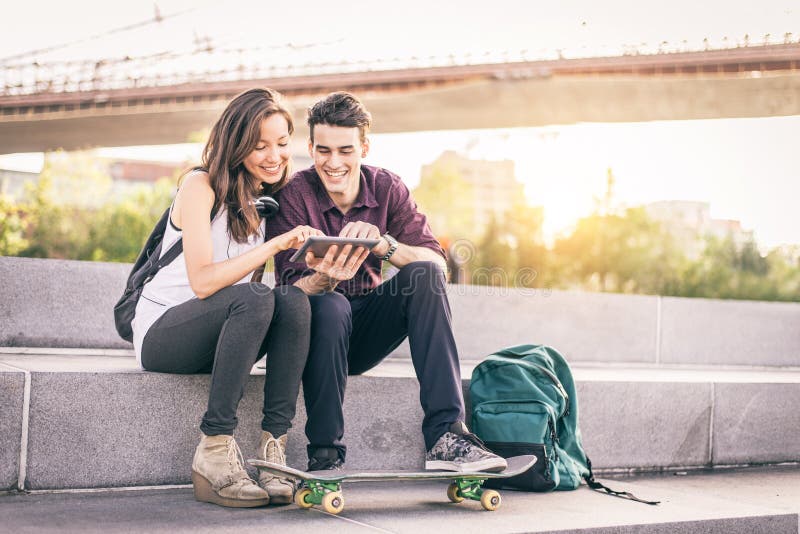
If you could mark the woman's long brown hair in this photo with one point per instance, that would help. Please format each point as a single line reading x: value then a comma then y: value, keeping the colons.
x: 234, y: 136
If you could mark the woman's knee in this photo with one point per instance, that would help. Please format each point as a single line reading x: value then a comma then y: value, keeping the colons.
x: 254, y: 298
x: 292, y: 303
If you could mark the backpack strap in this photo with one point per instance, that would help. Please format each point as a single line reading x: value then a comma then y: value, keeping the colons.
x: 151, y: 245
x: 595, y: 485
x: 176, y: 248
x: 173, y: 252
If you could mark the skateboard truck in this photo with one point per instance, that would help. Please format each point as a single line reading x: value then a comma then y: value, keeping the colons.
x: 326, y: 494
x: 462, y: 489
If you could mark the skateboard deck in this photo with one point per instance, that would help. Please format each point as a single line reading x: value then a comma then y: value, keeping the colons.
x: 324, y: 487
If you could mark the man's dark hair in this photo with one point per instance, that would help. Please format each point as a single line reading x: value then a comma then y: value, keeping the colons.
x: 340, y: 109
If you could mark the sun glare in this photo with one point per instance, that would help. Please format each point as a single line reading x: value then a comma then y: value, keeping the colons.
x: 742, y: 167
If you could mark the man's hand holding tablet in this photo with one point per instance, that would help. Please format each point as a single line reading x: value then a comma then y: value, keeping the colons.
x: 339, y: 258
x: 320, y: 246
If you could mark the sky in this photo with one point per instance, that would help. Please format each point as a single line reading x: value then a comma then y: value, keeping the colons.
x: 359, y: 29
x: 744, y: 167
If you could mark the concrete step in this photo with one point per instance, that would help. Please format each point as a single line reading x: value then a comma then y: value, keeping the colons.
x: 75, y: 300
x: 751, y: 501
x: 92, y: 421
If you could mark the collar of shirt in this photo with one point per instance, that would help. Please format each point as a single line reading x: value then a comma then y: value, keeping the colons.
x: 366, y: 197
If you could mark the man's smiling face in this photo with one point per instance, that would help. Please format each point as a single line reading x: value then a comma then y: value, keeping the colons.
x: 337, y: 152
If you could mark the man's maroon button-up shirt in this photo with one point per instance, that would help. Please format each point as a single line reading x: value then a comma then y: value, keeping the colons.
x: 383, y: 200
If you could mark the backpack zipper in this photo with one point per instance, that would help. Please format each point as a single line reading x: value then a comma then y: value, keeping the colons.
x: 543, y: 370
x: 551, y: 416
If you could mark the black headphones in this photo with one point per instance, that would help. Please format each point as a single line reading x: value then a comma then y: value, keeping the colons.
x: 266, y: 206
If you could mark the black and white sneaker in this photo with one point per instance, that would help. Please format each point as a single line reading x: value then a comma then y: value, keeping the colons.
x: 460, y: 450
x: 325, y: 460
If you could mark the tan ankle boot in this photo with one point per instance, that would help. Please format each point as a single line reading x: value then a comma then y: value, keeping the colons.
x: 272, y: 449
x: 219, y: 477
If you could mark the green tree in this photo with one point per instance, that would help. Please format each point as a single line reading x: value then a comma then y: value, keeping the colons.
x: 11, y: 228
x: 449, y: 202
x: 52, y: 229
x: 71, y: 213
x: 524, y: 224
x: 784, y: 270
x: 496, y: 262
x: 78, y: 178
x: 727, y: 270
x: 625, y: 252
x: 118, y: 231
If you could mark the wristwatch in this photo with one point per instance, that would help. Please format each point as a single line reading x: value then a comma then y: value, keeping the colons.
x: 392, y: 247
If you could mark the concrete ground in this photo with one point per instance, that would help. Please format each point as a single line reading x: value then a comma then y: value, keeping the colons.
x: 730, y: 501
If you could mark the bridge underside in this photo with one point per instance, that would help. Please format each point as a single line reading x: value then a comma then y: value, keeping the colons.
x: 468, y: 105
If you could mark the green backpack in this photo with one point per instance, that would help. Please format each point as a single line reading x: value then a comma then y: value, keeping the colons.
x: 524, y: 402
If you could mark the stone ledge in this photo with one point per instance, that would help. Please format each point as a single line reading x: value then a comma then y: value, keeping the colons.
x: 756, y: 423
x: 12, y: 391
x: 59, y: 303
x: 108, y: 424
x: 707, y: 331
x: 144, y: 430
x: 75, y: 300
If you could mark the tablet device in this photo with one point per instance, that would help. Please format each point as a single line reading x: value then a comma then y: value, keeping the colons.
x: 320, y: 245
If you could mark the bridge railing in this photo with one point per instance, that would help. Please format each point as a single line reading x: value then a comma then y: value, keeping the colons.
x: 211, y: 65
x: 175, y: 69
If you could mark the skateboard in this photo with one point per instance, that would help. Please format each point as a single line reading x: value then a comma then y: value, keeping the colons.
x: 324, y: 488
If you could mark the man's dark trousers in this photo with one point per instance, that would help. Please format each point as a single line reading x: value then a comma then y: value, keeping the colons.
x: 350, y: 336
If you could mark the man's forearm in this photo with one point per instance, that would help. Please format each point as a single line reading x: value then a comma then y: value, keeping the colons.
x: 406, y: 254
x: 316, y: 283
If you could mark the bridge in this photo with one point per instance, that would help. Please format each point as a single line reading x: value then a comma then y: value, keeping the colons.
x: 96, y: 105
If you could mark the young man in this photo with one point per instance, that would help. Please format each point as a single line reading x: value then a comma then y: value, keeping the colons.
x: 357, y: 319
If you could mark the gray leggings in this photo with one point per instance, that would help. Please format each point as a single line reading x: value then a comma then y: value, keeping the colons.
x: 225, y: 334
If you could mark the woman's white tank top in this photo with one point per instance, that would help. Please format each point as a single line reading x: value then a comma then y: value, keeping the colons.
x: 170, y: 286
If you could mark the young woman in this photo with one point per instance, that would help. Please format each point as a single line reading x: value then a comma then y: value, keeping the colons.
x: 202, y: 313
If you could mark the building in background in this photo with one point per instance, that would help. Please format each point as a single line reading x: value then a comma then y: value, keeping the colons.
x: 13, y: 182
x: 86, y: 179
x: 690, y: 222
x: 478, y: 189
x: 140, y: 172
x: 91, y: 178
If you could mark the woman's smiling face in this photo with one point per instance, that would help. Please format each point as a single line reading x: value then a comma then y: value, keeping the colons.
x: 268, y: 161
